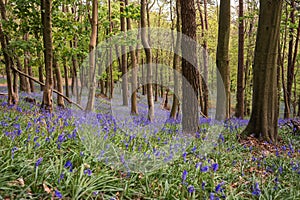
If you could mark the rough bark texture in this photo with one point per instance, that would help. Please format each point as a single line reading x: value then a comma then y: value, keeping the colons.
x: 92, y: 54
x: 223, y: 82
x: 124, y: 57
x: 190, y: 110
x: 176, y: 61
x: 264, y: 116
x: 239, y: 113
x: 147, y: 50
x: 46, y: 7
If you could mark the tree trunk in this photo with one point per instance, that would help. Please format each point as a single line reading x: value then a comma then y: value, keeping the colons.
x: 23, y: 83
x: 28, y: 68
x: 60, y: 100
x: 239, y: 113
x: 92, y: 59
x: 148, y: 53
x: 12, y: 94
x: 124, y: 57
x: 264, y: 115
x: 190, y: 82
x: 176, y: 62
x: 134, y: 86
x: 66, y: 74
x: 223, y: 79
x: 290, y: 67
x: 46, y: 7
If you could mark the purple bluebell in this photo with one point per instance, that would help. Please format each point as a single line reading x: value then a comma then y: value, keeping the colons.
x: 58, y: 194
x: 255, y: 190
x: 184, y: 175
x: 204, y: 169
x: 191, y: 189
x: 215, y: 167
x: 38, y: 162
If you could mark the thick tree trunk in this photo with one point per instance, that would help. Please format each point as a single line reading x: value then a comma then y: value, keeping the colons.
x: 190, y: 82
x: 147, y: 50
x: 92, y: 58
x: 46, y: 7
x: 223, y: 82
x: 239, y: 113
x: 264, y: 116
x: 176, y: 61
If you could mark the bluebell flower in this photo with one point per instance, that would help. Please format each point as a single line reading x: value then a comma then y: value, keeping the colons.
x: 69, y: 165
x: 255, y: 190
x: 38, y: 162
x: 280, y: 169
x: 211, y: 196
x: 61, y: 177
x: 184, y: 156
x: 204, y: 169
x: 191, y: 189
x: 203, y: 185
x: 88, y: 172
x: 184, y: 175
x: 58, y: 194
x: 199, y: 164
x: 215, y: 167
x: 219, y: 187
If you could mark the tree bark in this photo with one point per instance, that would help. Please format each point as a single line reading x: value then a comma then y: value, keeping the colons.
x: 290, y: 67
x: 124, y: 57
x: 92, y: 58
x: 46, y: 7
x: 223, y: 82
x: 176, y: 61
x: 239, y: 113
x: 60, y: 100
x: 148, y: 53
x: 190, y: 82
x: 134, y: 71
x: 264, y: 115
x: 12, y: 94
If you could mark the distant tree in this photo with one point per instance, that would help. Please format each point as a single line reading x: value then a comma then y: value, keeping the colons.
x: 190, y: 87
x: 147, y: 49
x: 46, y: 8
x: 264, y: 115
x: 223, y: 82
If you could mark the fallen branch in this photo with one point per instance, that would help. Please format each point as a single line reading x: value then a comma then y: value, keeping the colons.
x: 3, y: 94
x: 55, y: 91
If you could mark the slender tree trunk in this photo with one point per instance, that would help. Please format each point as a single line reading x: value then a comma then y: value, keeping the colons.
x: 176, y: 61
x: 46, y: 7
x: 134, y: 71
x: 147, y: 50
x: 264, y: 115
x: 190, y: 82
x: 28, y: 67
x: 66, y: 78
x: 124, y: 57
x: 60, y: 100
x: 239, y: 113
x: 22, y: 78
x: 223, y: 82
x: 92, y: 58
x: 290, y: 68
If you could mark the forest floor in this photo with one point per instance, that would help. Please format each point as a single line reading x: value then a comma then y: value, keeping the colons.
x: 109, y: 154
